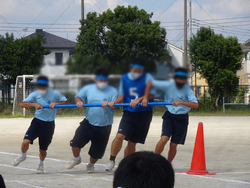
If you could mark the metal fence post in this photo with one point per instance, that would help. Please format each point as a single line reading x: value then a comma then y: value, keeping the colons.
x: 223, y: 105
x: 24, y: 85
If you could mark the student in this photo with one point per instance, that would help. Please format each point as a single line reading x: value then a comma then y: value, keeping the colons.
x: 43, y: 125
x: 136, y: 120
x: 175, y: 119
x: 96, y: 127
x: 144, y: 169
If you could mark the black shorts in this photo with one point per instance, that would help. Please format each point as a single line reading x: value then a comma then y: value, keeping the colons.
x: 175, y: 126
x: 135, y: 125
x: 44, y: 130
x: 98, y: 136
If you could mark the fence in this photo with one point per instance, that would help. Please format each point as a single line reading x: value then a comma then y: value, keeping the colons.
x: 236, y: 102
x: 7, y: 96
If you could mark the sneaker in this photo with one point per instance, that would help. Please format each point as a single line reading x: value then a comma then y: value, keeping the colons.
x: 39, y: 169
x: 73, y: 163
x: 90, y: 168
x: 18, y: 160
x: 110, y: 165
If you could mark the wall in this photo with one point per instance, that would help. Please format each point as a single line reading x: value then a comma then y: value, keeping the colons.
x: 50, y: 68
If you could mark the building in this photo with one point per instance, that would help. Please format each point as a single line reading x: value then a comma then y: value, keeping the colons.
x: 61, y: 49
x: 244, y: 78
x: 164, y: 71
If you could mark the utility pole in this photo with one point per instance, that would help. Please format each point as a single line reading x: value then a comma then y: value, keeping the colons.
x: 185, y: 34
x: 190, y: 21
x: 82, y: 9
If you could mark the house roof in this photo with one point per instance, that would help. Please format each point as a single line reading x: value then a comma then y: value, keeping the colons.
x: 246, y: 45
x: 175, y: 47
x: 53, y: 41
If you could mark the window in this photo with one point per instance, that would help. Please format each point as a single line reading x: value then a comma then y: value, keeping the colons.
x: 59, y: 58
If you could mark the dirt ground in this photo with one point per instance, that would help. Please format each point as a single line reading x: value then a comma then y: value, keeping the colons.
x: 227, y: 142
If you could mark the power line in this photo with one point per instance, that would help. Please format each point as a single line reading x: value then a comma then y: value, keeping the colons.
x: 228, y: 18
x: 207, y: 13
x: 10, y: 25
x: 165, y: 9
x: 152, y: 5
x: 41, y: 12
x: 97, y: 6
x: 245, y: 33
x: 60, y: 15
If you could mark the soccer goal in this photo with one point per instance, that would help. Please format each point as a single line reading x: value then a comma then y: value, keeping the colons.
x: 68, y: 85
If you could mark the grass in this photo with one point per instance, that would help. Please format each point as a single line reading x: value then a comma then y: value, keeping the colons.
x: 7, y: 112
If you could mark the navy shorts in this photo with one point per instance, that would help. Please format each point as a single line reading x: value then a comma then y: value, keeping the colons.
x: 44, y: 130
x: 175, y: 127
x: 98, y: 136
x: 135, y: 125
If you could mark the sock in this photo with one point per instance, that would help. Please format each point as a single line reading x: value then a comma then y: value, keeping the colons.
x: 90, y: 164
x: 77, y: 158
x: 112, y: 158
x: 40, y: 162
x: 23, y: 155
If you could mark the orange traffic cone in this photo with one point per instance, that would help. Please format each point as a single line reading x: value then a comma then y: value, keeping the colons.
x: 198, y: 165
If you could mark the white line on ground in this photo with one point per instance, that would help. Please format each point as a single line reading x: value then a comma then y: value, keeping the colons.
x: 23, y: 183
x: 52, y: 159
x: 23, y: 168
x: 219, y: 179
x: 233, y: 173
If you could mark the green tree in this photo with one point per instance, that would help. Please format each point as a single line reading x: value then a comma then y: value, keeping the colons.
x: 112, y: 38
x: 217, y: 59
x: 20, y: 56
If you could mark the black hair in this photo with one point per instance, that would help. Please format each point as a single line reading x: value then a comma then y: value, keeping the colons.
x: 101, y: 72
x: 138, y: 61
x: 41, y: 77
x: 144, y: 169
x: 181, y: 69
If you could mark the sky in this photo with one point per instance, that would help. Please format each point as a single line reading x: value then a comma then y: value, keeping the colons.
x: 61, y: 17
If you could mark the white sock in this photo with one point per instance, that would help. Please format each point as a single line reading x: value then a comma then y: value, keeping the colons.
x: 23, y: 155
x: 40, y: 162
x: 77, y: 158
x: 90, y: 164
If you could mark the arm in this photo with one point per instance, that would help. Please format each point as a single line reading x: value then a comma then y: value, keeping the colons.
x: 28, y: 105
x: 133, y: 103
x: 185, y: 103
x: 52, y: 105
x: 119, y: 99
x: 147, y: 95
x: 79, y: 102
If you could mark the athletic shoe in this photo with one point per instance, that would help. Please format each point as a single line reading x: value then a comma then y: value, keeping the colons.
x: 18, y: 160
x: 39, y: 169
x: 110, y: 165
x: 90, y: 168
x: 73, y: 163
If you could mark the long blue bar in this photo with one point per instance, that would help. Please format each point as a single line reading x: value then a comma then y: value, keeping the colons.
x: 100, y: 105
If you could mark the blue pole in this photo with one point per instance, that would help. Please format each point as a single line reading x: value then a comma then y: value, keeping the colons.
x: 100, y: 105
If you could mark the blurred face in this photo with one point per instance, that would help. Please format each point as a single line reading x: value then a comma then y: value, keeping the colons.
x: 42, y: 89
x: 180, y: 82
x: 101, y: 83
x: 136, y: 72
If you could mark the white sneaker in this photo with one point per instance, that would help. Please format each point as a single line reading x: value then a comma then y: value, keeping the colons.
x: 39, y: 169
x: 110, y: 165
x: 18, y: 160
x: 90, y: 168
x: 72, y: 163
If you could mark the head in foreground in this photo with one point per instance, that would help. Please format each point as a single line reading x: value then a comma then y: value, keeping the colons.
x: 101, y: 78
x: 144, y: 170
x: 180, y: 77
x: 42, y: 84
